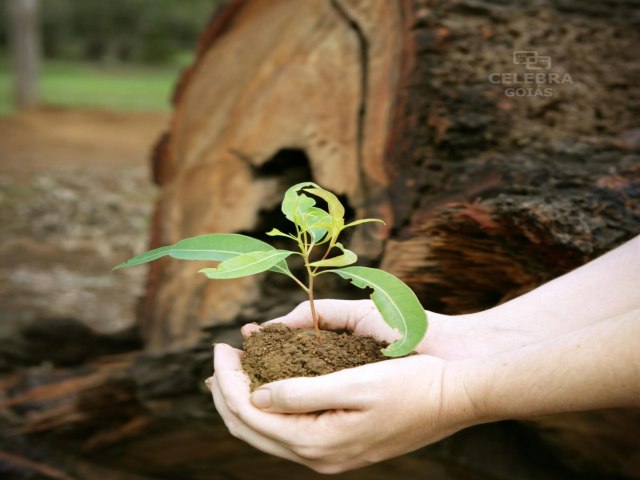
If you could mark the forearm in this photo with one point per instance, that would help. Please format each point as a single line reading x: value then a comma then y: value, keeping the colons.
x: 606, y: 287
x: 595, y: 367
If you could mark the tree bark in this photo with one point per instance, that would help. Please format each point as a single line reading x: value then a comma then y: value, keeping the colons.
x: 404, y: 110
x: 416, y: 113
x: 401, y: 108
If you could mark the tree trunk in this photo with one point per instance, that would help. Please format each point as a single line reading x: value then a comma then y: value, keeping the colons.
x: 24, y: 40
x: 414, y: 112
x: 403, y: 109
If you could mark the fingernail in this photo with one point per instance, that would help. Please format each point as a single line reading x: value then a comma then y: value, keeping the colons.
x: 261, y: 398
x: 207, y: 382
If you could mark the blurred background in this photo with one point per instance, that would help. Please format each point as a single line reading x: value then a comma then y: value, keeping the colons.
x: 116, y: 55
x: 85, y: 89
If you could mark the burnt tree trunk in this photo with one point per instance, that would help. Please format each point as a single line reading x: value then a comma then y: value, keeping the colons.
x: 404, y: 109
x: 395, y: 106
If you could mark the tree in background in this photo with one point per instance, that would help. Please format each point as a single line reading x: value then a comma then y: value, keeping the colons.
x: 140, y: 31
x: 24, y: 40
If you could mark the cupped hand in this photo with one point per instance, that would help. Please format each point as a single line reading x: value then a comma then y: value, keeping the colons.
x: 347, y: 419
x: 368, y: 413
x: 447, y: 337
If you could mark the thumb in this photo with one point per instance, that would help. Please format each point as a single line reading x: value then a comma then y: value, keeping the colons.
x: 332, y: 314
x: 336, y: 391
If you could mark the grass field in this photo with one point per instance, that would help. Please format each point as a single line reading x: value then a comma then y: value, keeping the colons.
x: 66, y: 84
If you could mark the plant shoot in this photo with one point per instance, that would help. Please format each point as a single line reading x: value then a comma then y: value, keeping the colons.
x: 315, y: 230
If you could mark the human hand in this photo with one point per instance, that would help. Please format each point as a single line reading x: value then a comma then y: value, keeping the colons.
x: 351, y: 418
x: 448, y: 337
x: 367, y: 414
x: 357, y: 416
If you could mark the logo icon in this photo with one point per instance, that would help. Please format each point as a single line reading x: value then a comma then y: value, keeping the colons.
x: 531, y: 60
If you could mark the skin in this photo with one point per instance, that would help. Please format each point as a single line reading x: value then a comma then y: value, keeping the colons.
x: 570, y: 345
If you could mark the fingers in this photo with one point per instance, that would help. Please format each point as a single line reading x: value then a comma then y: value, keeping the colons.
x: 230, y: 404
x: 238, y: 429
x: 343, y: 390
x: 358, y: 316
x: 249, y: 328
x: 234, y: 388
x: 317, y: 441
x: 332, y: 314
x: 311, y: 456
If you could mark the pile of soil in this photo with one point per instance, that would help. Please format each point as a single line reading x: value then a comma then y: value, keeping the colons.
x: 276, y: 352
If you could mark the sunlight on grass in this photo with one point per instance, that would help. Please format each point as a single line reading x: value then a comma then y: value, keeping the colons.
x: 66, y: 84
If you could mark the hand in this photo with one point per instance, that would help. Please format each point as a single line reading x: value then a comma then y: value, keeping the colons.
x: 359, y: 317
x: 376, y: 411
x: 448, y: 337
x: 369, y: 413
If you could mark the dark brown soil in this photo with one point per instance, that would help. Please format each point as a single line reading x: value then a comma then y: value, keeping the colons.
x: 277, y: 352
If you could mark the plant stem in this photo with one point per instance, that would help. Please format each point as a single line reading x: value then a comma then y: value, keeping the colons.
x: 314, y: 315
x: 306, y: 247
x: 326, y: 254
x: 302, y: 285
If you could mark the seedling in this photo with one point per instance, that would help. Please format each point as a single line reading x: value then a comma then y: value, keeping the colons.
x: 315, y: 229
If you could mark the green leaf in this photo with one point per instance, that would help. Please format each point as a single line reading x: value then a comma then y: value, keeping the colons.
x: 294, y: 203
x: 216, y: 246
x: 346, y: 258
x: 303, y: 205
x: 145, y: 257
x: 364, y: 220
x: 317, y: 222
x: 247, y: 264
x: 274, y: 232
x: 397, y: 304
x: 213, y: 246
x: 336, y: 210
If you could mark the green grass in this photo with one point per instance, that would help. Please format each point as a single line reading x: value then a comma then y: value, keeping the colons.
x: 79, y: 85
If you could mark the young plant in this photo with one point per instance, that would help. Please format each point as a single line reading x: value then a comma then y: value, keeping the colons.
x: 315, y: 229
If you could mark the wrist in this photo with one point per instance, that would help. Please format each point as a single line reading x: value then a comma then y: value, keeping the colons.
x: 474, y: 335
x: 448, y: 337
x: 498, y: 330
x: 464, y: 395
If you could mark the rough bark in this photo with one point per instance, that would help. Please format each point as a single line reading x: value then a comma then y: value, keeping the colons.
x: 390, y: 105
x: 485, y: 195
x: 491, y: 194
